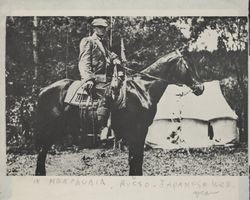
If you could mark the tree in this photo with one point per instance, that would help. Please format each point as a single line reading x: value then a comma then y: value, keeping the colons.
x: 232, y: 41
x: 147, y: 38
x: 35, y: 46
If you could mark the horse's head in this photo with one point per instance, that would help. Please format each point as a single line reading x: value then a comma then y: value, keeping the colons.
x: 181, y: 73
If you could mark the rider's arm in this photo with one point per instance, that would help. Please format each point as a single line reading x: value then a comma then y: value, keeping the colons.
x: 85, y: 60
x: 114, y: 58
x: 116, y: 61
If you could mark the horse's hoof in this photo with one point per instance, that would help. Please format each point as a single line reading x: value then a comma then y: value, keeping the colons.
x: 40, y: 173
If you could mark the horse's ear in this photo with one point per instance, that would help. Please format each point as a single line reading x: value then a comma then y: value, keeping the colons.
x: 180, y: 50
x: 183, y: 48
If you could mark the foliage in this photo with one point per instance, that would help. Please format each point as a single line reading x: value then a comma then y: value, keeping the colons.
x: 147, y: 38
x: 232, y: 50
x: 20, y: 122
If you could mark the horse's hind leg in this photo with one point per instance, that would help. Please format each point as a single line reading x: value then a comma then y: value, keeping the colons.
x: 44, y: 141
x: 42, y: 153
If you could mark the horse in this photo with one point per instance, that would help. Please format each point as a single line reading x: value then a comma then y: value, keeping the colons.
x: 144, y: 90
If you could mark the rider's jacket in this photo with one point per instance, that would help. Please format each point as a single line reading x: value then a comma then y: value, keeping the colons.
x: 95, y: 60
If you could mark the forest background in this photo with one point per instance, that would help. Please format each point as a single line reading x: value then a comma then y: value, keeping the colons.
x: 42, y: 50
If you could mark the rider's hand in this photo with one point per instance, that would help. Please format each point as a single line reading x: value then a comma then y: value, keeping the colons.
x: 116, y: 62
x: 89, y: 86
x: 120, y: 73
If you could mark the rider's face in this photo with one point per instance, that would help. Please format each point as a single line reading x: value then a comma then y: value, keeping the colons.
x: 100, y: 30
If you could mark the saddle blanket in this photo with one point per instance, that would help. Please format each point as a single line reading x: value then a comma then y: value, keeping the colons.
x: 76, y: 93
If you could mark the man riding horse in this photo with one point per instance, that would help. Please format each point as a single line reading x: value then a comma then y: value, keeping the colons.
x: 96, y: 65
x: 131, y: 121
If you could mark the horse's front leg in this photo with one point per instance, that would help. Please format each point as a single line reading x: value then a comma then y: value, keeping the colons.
x: 135, y: 160
x: 136, y: 150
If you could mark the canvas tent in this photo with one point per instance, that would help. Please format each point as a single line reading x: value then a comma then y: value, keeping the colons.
x: 186, y: 120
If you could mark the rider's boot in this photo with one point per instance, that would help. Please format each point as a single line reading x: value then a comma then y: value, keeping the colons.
x: 103, y: 116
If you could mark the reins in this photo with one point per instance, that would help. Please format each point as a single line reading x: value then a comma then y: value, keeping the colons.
x: 145, y: 74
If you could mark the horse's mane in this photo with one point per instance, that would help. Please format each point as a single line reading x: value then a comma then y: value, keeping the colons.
x: 164, y: 59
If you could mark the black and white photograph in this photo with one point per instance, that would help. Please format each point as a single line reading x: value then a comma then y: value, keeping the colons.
x: 126, y: 96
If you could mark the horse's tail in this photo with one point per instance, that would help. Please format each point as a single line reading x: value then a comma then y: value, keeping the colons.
x: 49, y: 106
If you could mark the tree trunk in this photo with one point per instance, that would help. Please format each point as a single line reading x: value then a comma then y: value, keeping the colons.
x: 67, y: 53
x: 242, y: 87
x: 35, y: 47
x: 123, y: 55
x: 243, y: 119
x: 111, y: 33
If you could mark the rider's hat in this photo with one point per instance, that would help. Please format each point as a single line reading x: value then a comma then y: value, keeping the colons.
x: 99, y: 22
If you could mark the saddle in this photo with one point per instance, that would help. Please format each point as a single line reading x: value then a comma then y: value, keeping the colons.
x: 76, y: 94
x: 89, y: 104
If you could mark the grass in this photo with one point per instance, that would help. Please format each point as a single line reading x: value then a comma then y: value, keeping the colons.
x: 212, y: 161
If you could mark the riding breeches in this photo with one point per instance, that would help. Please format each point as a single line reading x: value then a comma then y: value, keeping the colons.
x: 105, y: 104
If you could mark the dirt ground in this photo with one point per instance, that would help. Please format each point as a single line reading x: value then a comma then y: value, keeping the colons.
x: 225, y: 161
